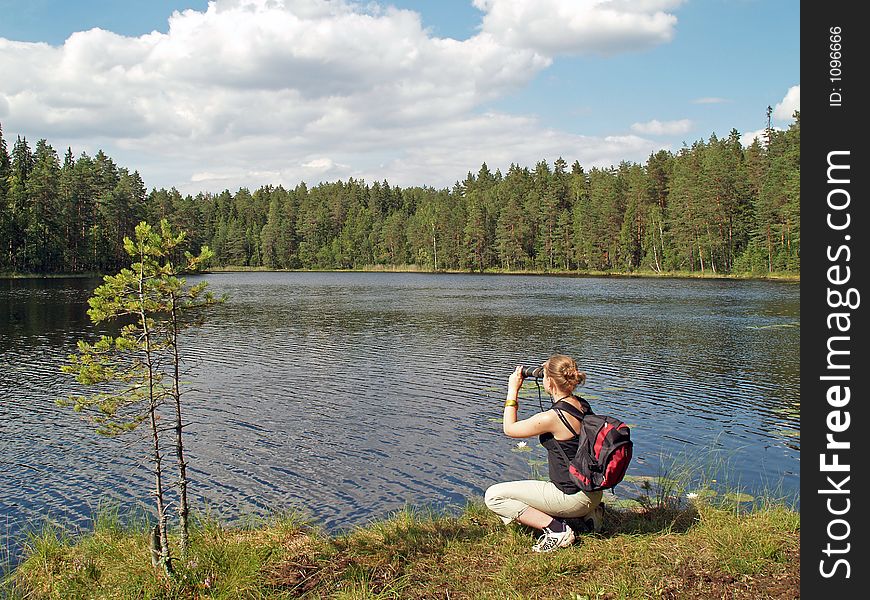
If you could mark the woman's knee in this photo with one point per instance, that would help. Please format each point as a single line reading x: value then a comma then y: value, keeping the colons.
x: 492, y: 497
x: 501, y: 501
x: 497, y: 495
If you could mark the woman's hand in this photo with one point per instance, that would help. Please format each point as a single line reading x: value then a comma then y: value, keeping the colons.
x: 515, y: 381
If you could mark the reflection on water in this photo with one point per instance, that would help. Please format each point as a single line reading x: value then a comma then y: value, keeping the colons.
x: 352, y: 394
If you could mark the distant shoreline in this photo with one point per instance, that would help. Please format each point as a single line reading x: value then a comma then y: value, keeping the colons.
x: 783, y: 277
x: 789, y: 277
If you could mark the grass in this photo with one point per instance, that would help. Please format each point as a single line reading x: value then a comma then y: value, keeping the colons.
x: 704, y: 549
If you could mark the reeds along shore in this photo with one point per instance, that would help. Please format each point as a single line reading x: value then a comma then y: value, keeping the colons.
x: 774, y: 276
x: 694, y: 550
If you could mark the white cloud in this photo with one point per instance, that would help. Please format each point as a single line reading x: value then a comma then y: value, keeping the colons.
x: 254, y: 92
x: 319, y: 164
x: 656, y: 127
x: 747, y: 138
x: 428, y: 156
x: 784, y: 110
x: 750, y: 136
x: 710, y: 100
x: 206, y: 176
x: 604, y: 27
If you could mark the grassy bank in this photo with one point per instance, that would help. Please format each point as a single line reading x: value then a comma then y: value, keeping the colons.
x: 699, y: 551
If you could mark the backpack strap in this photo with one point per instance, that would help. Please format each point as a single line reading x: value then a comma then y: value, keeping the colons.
x: 578, y: 414
x: 571, y: 410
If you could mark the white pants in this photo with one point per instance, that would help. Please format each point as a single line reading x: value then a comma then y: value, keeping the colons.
x: 510, y: 499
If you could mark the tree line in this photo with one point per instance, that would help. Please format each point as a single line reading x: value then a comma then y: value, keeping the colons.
x: 713, y: 207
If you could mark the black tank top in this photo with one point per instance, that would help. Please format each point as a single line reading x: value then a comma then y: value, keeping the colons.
x: 556, y: 463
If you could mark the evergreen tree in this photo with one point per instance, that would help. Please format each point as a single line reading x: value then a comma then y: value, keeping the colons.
x: 634, y: 220
x: 687, y: 219
x: 510, y: 236
x: 475, y: 237
x: 6, y: 221
x: 18, y: 201
x: 394, y: 242
x: 269, y: 236
x: 43, y: 226
x: 127, y: 369
x: 714, y: 206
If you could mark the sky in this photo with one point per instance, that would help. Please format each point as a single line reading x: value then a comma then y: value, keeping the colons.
x: 207, y: 96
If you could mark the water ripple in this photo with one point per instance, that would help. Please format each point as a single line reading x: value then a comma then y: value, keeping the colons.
x: 349, y: 395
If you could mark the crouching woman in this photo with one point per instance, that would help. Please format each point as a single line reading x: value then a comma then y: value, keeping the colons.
x: 545, y: 505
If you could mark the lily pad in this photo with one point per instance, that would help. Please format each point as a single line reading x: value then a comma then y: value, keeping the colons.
x: 704, y: 493
x: 739, y: 497
x: 639, y: 478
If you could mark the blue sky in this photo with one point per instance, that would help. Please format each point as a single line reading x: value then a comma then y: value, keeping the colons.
x: 252, y: 92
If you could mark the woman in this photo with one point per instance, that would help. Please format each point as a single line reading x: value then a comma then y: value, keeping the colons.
x: 545, y: 505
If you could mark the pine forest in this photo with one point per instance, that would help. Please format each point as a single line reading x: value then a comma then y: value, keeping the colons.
x: 715, y: 207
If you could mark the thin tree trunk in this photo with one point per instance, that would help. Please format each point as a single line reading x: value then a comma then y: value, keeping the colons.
x: 183, y: 507
x: 769, y: 252
x: 662, y: 238
x: 434, y: 247
x: 712, y: 259
x: 165, y: 557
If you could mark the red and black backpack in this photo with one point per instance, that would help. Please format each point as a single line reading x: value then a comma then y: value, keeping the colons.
x: 604, y: 449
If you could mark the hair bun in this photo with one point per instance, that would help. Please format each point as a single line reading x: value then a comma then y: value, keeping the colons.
x: 571, y: 374
x: 563, y: 370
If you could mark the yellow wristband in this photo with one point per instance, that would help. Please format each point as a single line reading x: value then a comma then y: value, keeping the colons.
x: 510, y: 403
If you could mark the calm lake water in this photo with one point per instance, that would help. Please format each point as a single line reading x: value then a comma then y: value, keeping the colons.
x: 349, y: 395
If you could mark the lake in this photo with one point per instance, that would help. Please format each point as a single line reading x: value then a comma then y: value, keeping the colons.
x: 350, y: 395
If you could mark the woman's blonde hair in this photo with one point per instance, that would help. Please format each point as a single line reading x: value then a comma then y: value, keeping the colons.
x: 564, y: 373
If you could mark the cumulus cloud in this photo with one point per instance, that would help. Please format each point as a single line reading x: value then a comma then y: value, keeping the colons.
x: 709, y: 100
x: 656, y: 127
x: 760, y: 134
x: 252, y: 92
x: 503, y: 139
x: 784, y: 110
x: 553, y: 27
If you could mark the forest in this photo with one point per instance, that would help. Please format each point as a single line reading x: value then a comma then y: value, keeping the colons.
x: 715, y: 207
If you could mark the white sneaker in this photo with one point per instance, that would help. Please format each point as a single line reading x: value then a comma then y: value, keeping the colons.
x: 552, y: 541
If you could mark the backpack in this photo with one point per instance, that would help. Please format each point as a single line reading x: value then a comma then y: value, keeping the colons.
x: 604, y: 450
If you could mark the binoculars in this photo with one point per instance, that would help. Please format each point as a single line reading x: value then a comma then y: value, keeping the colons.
x: 533, y: 372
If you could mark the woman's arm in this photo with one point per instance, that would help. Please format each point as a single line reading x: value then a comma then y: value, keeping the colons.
x: 535, y: 425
